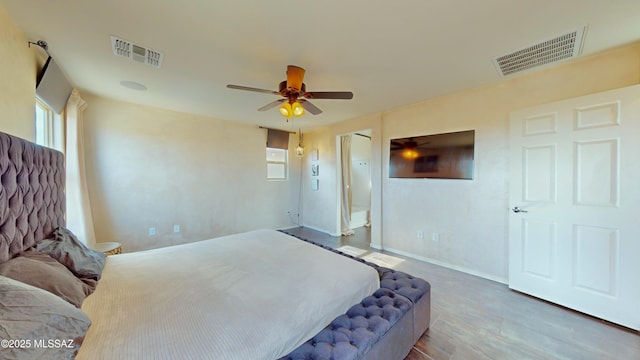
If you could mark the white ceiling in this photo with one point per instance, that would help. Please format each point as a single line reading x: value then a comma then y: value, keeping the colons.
x: 388, y: 53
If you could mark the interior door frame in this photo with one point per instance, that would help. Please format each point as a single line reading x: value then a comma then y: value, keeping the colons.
x: 338, y: 219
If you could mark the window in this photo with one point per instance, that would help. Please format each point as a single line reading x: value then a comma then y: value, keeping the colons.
x: 48, y: 127
x: 44, y: 124
x: 277, y: 164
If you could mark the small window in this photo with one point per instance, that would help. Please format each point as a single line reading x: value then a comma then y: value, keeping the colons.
x: 276, y: 164
x: 44, y: 124
x: 49, y: 128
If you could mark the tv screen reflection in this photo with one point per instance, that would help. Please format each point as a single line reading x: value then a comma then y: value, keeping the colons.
x: 443, y: 156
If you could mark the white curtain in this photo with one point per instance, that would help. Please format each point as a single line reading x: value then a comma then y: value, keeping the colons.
x: 345, y: 150
x: 79, y: 219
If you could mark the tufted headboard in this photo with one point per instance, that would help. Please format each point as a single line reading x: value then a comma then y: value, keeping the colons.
x: 32, y: 198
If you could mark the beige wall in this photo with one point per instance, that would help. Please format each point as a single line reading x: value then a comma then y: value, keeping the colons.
x: 19, y: 66
x: 149, y: 167
x: 470, y: 216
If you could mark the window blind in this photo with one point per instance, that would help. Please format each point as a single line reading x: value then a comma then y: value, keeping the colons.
x: 277, y: 139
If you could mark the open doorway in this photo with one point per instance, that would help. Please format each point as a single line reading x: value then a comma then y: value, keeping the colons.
x: 354, y: 156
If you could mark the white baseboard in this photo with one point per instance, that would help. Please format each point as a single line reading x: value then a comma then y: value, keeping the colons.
x: 444, y: 264
x: 321, y: 230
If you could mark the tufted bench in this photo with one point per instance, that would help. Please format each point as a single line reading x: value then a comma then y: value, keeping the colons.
x: 355, y: 333
x: 417, y: 290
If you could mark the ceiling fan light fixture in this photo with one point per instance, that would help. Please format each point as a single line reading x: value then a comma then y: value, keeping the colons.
x: 293, y: 91
x: 286, y: 110
x: 297, y: 109
x: 410, y: 153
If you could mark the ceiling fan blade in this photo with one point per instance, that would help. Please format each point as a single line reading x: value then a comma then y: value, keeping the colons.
x: 272, y: 104
x: 343, y: 95
x: 240, y: 87
x: 295, y: 75
x: 314, y: 110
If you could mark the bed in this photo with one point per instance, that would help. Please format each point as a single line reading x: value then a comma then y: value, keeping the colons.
x: 256, y: 295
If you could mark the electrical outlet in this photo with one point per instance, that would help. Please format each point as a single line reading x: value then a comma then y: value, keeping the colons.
x: 176, y: 228
x: 435, y: 236
x: 420, y: 234
x: 152, y: 231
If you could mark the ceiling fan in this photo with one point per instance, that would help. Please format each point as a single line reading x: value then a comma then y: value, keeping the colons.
x: 408, y: 144
x: 409, y: 147
x: 295, y: 95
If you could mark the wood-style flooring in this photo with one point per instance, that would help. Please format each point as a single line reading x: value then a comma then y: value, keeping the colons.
x: 475, y: 318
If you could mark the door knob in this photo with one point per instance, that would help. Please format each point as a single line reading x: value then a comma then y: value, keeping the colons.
x: 518, y: 210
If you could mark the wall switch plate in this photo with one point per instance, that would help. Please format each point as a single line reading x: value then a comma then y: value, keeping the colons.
x: 176, y: 228
x: 435, y: 236
x: 152, y: 231
x: 420, y: 234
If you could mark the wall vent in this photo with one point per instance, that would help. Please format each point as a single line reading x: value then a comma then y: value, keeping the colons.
x: 559, y: 48
x: 136, y: 52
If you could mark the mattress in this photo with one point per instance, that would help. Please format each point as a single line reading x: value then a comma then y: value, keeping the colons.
x: 256, y: 295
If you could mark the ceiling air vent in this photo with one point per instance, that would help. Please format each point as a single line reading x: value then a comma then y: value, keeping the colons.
x: 559, y: 48
x: 136, y: 52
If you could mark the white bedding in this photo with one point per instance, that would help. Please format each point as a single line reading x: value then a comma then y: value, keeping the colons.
x: 256, y: 295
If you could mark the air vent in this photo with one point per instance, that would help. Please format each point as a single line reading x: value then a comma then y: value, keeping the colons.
x: 559, y: 48
x: 136, y: 52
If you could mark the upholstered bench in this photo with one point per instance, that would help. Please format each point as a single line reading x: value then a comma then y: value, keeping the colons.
x: 415, y: 289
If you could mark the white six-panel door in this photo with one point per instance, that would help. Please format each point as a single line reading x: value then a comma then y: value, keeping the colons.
x: 575, y: 204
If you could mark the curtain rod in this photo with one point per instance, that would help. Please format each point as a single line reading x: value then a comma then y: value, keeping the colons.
x: 43, y: 44
x: 363, y: 135
x: 262, y: 127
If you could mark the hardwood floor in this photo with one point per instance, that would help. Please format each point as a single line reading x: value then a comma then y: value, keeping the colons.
x: 474, y: 318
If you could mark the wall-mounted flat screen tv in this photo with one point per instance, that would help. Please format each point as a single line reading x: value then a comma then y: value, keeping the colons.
x: 444, y: 156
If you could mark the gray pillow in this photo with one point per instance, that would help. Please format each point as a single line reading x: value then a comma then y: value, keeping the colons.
x: 41, y: 271
x: 63, y: 246
x: 29, y: 313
